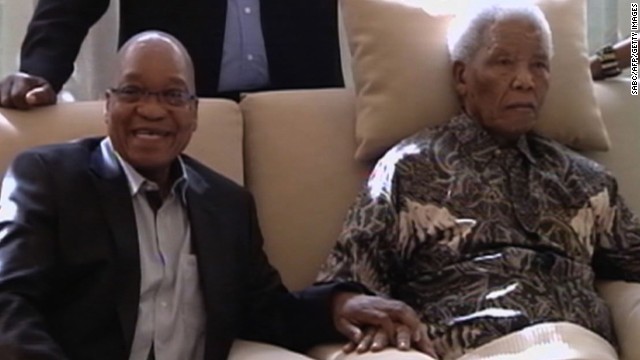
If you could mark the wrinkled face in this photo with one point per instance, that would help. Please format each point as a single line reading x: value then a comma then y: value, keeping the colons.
x: 503, y: 86
x: 149, y: 133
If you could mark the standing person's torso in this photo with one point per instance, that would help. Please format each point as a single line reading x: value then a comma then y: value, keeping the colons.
x: 300, y: 38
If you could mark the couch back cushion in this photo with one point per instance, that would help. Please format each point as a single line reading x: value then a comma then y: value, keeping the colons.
x: 299, y: 166
x: 217, y: 142
x: 621, y: 113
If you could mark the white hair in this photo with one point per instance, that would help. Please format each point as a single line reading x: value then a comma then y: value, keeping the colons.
x: 467, y: 31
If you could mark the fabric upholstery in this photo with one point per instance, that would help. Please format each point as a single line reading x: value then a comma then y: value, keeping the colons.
x: 250, y: 350
x: 558, y: 341
x: 624, y: 303
x: 621, y: 112
x: 297, y: 168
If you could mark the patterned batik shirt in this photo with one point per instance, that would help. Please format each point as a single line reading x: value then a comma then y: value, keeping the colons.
x: 484, y: 240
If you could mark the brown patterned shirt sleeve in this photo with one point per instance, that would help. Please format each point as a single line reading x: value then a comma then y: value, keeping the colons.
x: 364, y: 253
x: 617, y: 253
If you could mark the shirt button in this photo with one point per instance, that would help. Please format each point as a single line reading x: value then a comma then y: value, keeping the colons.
x: 164, y: 304
x: 250, y: 57
x: 247, y: 10
x: 497, y: 152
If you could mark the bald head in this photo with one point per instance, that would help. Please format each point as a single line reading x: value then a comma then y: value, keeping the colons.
x: 155, y: 48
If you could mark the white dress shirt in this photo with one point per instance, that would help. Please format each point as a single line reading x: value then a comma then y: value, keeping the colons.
x: 171, y: 314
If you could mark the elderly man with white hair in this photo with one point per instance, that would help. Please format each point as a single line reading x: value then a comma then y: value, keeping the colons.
x: 493, y: 234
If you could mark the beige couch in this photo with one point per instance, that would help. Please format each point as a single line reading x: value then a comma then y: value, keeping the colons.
x: 294, y: 151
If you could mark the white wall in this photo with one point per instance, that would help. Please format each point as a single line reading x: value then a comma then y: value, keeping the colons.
x: 14, y: 17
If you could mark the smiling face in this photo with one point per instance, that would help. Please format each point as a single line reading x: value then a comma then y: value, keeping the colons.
x: 149, y: 134
x: 504, y: 84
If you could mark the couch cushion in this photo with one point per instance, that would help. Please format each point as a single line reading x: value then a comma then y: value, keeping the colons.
x: 623, y: 299
x: 621, y: 112
x: 402, y: 73
x: 558, y: 340
x: 298, y: 166
x: 217, y: 142
x: 250, y: 350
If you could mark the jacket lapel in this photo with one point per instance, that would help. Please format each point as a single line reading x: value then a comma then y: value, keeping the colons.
x: 116, y: 202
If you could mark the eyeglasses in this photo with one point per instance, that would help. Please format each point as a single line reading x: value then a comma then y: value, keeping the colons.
x: 173, y: 97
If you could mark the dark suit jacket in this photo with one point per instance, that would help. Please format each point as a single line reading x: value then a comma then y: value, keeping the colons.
x: 70, y: 273
x: 301, y: 37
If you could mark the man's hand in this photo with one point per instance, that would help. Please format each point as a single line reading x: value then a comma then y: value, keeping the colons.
x: 24, y: 91
x: 596, y: 68
x: 372, y: 323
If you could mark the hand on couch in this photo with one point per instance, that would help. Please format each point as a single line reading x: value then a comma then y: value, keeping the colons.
x: 24, y: 91
x: 371, y: 323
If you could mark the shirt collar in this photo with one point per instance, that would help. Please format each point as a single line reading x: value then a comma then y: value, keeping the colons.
x: 480, y: 144
x: 138, y: 182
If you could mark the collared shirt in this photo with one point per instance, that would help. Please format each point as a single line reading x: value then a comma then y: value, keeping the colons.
x: 171, y: 314
x: 244, y: 57
x: 484, y: 240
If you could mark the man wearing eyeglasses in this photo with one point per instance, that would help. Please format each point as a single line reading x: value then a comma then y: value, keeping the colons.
x: 124, y: 248
x: 236, y: 45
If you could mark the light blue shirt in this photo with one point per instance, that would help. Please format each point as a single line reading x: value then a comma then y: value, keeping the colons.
x: 244, y: 57
x: 171, y: 314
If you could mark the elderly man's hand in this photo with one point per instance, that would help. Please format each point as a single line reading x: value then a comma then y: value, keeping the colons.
x: 373, y: 323
x: 24, y: 91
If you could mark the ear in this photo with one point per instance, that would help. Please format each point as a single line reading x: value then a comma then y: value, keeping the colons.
x: 195, y: 114
x: 107, y: 106
x: 459, y: 77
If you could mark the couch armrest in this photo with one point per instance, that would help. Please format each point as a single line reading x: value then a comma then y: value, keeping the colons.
x: 623, y: 299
